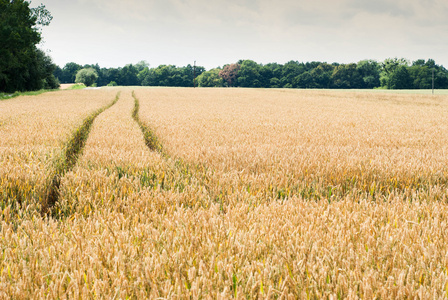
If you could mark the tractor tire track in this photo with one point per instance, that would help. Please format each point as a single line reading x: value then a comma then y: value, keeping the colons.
x: 151, y: 140
x: 67, y: 161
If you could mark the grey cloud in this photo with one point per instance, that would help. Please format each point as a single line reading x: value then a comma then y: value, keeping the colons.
x: 318, y: 18
x: 423, y: 12
x: 394, y: 8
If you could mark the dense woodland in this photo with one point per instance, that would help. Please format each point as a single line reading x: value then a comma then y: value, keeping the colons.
x: 23, y: 66
x: 393, y: 73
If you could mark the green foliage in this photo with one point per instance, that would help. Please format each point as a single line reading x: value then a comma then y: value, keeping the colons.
x: 346, y: 77
x: 112, y: 83
x: 68, y: 73
x: 421, y: 75
x: 274, y: 82
x: 169, y: 75
x: 107, y: 75
x: 388, y: 67
x: 128, y: 76
x: 44, y: 70
x: 304, y: 80
x: 141, y: 65
x: 23, y: 67
x: 322, y: 76
x: 78, y: 86
x: 86, y: 76
x: 210, y: 79
x: 288, y: 73
x: 399, y: 79
x: 161, y: 76
x: 369, y: 70
x: 42, y: 15
x: 4, y: 96
x: 249, y: 74
x: 366, y: 74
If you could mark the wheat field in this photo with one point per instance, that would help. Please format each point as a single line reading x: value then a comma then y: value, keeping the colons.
x: 34, y: 131
x: 181, y: 193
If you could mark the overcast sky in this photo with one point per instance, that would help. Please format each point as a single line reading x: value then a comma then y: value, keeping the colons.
x: 114, y: 33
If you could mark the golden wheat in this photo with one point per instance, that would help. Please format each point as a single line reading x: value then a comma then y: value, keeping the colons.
x: 275, y: 142
x: 258, y: 194
x: 33, y: 136
x: 113, y: 158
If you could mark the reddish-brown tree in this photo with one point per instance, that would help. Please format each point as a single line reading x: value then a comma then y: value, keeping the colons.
x: 229, y: 73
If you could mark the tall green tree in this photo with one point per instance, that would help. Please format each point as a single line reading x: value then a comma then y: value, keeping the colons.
x: 20, y: 60
x: 421, y: 73
x: 322, y: 76
x: 369, y: 70
x: 128, y: 76
x: 304, y: 81
x: 347, y: 76
x: 87, y: 76
x: 68, y: 72
x: 388, y: 67
x: 107, y: 76
x: 249, y: 74
x: 160, y: 76
x: 270, y: 75
x: 400, y: 79
x: 421, y: 76
x: 44, y: 69
x: 210, y: 79
x: 291, y: 70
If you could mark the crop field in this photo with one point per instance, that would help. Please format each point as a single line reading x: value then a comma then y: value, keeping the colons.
x: 34, y: 130
x: 175, y: 193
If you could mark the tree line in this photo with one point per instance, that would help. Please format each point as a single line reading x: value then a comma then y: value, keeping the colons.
x: 130, y: 75
x: 24, y: 67
x: 392, y: 73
